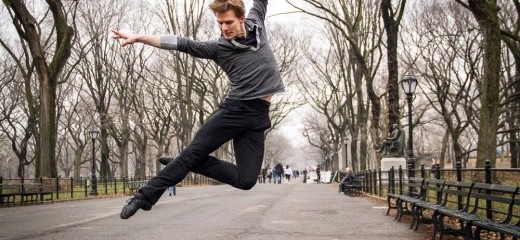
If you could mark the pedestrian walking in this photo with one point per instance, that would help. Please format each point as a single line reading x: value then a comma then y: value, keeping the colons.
x: 270, y: 174
x: 278, y: 172
x: 287, y: 172
x: 172, y: 190
x: 318, y: 174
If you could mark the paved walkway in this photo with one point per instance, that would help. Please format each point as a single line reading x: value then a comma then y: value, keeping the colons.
x: 268, y: 211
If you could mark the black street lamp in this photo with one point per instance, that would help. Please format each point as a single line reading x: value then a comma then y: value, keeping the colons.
x: 93, y: 135
x: 346, y: 151
x: 409, y: 83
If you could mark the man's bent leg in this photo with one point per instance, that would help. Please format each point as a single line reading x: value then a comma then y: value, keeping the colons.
x: 233, y: 119
x: 243, y: 121
x: 249, y: 152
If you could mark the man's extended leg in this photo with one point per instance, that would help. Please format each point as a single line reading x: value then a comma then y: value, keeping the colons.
x: 207, y: 139
x: 233, y: 120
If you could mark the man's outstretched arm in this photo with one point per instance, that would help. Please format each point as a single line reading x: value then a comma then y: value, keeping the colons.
x: 207, y: 50
x: 258, y: 11
x: 129, y: 39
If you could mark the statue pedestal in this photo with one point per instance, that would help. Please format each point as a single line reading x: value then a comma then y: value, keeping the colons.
x: 388, y: 162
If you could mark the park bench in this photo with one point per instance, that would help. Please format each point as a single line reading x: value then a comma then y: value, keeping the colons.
x: 355, y: 186
x: 34, y: 192
x: 8, y: 193
x: 455, y: 198
x: 463, y: 202
x: 133, y: 186
x: 7, y: 199
x: 466, y: 209
x: 431, y: 199
x: 404, y: 202
x: 502, y: 206
x: 27, y: 192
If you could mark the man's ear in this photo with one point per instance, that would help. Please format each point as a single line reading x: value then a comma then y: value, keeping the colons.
x: 242, y: 19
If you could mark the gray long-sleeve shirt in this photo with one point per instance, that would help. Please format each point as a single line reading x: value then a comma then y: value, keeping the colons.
x: 252, y: 70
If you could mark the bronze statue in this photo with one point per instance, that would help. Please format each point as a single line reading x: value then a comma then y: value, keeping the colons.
x: 393, y: 144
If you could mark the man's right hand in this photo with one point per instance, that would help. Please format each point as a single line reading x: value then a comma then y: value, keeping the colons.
x: 129, y: 39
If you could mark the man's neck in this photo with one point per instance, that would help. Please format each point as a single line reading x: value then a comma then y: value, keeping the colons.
x: 243, y: 34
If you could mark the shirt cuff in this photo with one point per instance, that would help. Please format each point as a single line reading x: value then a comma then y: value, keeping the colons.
x: 169, y: 42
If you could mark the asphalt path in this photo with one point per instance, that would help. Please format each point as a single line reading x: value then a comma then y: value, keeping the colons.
x: 268, y: 211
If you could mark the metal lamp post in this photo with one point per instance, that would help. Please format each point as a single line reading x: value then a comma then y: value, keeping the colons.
x: 9, y: 167
x: 93, y: 135
x: 409, y: 83
x: 346, y: 151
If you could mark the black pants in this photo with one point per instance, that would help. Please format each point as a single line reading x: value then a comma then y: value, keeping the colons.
x: 243, y: 121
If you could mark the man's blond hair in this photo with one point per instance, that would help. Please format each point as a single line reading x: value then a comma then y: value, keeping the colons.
x: 220, y: 6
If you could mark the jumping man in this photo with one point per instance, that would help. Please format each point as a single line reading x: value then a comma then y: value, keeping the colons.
x: 244, y: 54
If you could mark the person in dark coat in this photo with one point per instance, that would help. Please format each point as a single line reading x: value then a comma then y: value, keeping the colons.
x: 346, y: 181
x: 278, y: 172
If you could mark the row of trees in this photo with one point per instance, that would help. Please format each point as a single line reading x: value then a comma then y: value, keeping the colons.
x: 62, y: 75
x: 464, y: 54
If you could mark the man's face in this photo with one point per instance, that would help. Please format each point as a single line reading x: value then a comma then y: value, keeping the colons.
x: 230, y: 25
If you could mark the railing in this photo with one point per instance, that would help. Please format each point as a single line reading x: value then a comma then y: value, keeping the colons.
x: 80, y: 188
x: 379, y: 183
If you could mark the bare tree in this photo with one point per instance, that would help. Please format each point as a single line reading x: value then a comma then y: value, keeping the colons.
x: 287, y: 50
x: 160, y: 103
x: 448, y: 59
x: 328, y: 88
x: 317, y: 132
x: 107, y: 70
x: 277, y: 149
x: 187, y: 74
x: 356, y: 28
x: 48, y: 69
x: 486, y: 14
x: 14, y: 123
x: 509, y: 15
x: 392, y: 16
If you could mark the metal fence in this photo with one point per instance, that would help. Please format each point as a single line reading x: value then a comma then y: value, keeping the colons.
x: 395, y: 180
x: 380, y: 183
x: 81, y: 188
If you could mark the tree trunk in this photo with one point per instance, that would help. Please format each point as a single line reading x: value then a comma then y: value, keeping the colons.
x: 512, y: 106
x: 47, y: 125
x: 78, y: 152
x: 48, y: 74
x: 123, y: 161
x: 442, y: 157
x: 391, y: 23
x: 486, y: 14
x: 104, y: 166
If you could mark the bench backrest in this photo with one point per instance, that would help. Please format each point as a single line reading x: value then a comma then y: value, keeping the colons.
x: 432, y: 188
x: 415, y: 187
x: 21, y: 188
x: 10, y: 188
x: 358, y: 179
x: 494, y: 201
x: 32, y: 187
x: 458, y: 193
